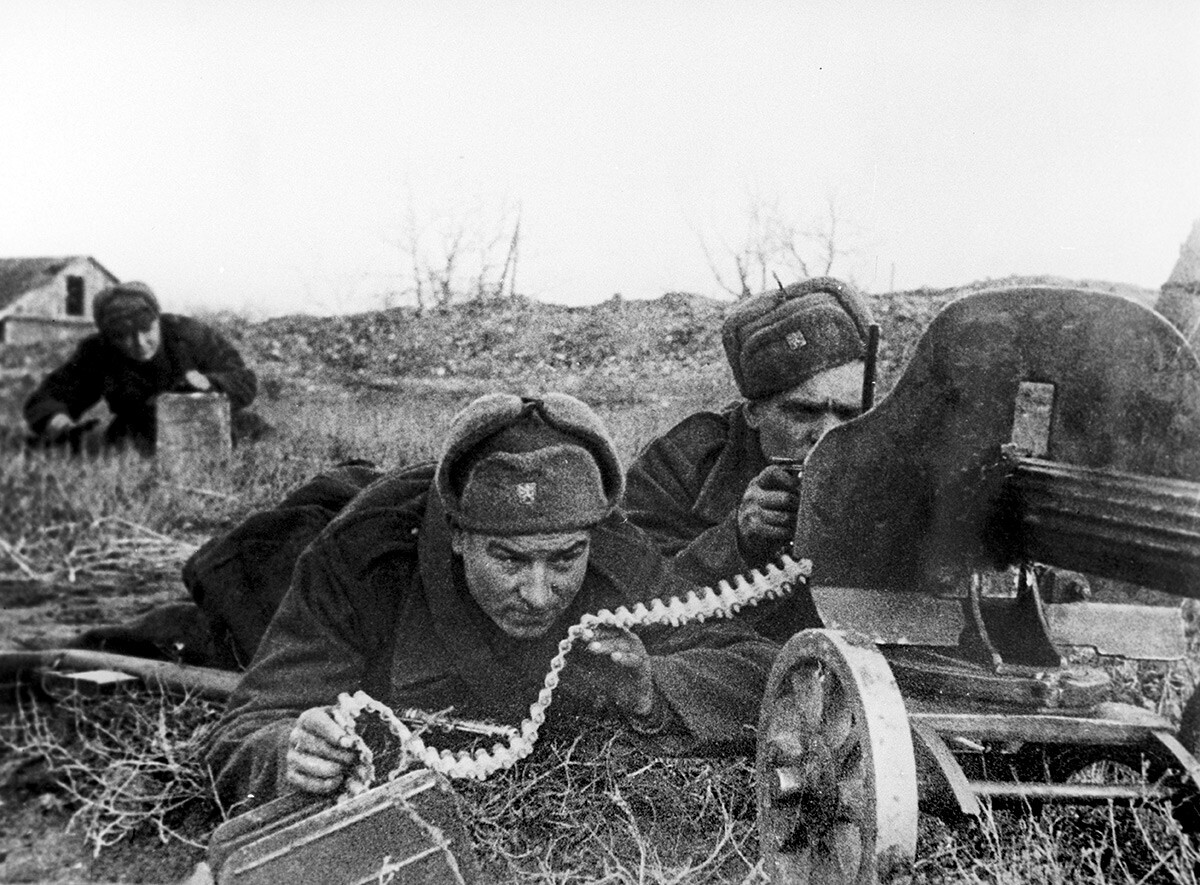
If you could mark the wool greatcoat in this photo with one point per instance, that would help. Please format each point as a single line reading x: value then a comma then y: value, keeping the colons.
x: 379, y: 602
x: 98, y: 370
x: 683, y: 490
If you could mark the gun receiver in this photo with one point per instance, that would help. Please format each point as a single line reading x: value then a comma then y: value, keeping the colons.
x: 1141, y: 529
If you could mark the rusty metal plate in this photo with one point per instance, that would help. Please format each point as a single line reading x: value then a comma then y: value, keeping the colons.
x: 891, y: 618
x: 1141, y: 632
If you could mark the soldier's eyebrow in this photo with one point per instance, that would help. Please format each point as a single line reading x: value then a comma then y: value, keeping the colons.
x: 826, y: 404
x: 574, y: 550
x: 497, y: 546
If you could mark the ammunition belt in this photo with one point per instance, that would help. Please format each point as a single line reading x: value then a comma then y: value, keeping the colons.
x: 775, y: 581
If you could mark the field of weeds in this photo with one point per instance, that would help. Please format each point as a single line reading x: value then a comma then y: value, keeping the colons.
x: 109, y: 788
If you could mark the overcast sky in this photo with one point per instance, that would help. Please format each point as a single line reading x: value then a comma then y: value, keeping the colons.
x: 269, y: 157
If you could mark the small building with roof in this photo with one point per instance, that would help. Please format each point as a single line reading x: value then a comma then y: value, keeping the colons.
x: 49, y: 299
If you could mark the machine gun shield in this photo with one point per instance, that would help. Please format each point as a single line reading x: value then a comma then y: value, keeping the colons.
x: 1088, y: 381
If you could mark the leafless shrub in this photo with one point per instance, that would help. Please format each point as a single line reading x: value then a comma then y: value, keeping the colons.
x: 125, y: 763
x: 460, y: 254
x: 776, y: 244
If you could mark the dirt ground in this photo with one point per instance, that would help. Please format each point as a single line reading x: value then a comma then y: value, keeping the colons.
x: 37, y: 844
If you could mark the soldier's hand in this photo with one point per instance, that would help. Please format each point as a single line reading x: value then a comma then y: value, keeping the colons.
x: 766, y: 517
x: 58, y: 426
x: 633, y: 687
x: 319, y: 752
x: 197, y: 380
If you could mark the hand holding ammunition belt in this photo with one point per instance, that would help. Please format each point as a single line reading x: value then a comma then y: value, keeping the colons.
x: 775, y: 581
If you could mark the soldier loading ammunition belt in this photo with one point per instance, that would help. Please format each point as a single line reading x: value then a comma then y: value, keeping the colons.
x: 775, y: 581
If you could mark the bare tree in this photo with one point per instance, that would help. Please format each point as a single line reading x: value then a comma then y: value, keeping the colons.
x: 460, y: 255
x: 751, y: 258
x: 775, y: 245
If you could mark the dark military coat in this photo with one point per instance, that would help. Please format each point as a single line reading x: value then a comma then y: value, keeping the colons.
x: 684, y: 488
x: 378, y: 602
x: 98, y: 370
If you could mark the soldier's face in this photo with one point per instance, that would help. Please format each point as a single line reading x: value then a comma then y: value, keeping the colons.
x: 523, y: 582
x: 138, y: 344
x: 792, y: 422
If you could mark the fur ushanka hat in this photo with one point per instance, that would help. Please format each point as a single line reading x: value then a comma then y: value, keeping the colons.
x: 124, y: 307
x: 519, y: 465
x: 781, y: 338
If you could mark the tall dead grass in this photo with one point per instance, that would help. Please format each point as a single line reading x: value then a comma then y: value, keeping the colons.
x: 1107, y: 845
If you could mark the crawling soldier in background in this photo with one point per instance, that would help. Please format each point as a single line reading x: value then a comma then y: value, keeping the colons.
x: 137, y: 353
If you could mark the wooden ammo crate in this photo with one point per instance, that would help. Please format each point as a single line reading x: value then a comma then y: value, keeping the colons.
x: 406, y: 831
x: 191, y: 427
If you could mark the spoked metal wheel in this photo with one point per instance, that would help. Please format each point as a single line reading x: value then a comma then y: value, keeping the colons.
x: 837, y: 781
x: 1188, y: 811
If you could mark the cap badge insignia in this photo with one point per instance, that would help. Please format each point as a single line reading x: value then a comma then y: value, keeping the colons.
x: 795, y: 340
x: 526, y: 493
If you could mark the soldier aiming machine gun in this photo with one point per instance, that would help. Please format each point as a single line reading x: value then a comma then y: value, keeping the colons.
x: 1044, y: 425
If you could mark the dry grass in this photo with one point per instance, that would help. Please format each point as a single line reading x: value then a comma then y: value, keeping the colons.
x: 1071, y: 846
x: 587, y: 806
x: 86, y: 518
x: 592, y: 808
x: 124, y: 765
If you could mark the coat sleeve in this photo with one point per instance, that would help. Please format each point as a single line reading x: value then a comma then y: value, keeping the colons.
x: 709, y: 677
x: 313, y: 649
x: 709, y: 682
x: 221, y: 363
x: 73, y: 388
x: 662, y: 486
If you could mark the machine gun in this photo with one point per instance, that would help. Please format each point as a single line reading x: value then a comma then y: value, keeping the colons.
x: 1032, y: 425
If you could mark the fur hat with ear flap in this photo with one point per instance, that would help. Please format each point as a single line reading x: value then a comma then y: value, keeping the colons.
x: 779, y: 339
x: 123, y: 307
x: 517, y: 465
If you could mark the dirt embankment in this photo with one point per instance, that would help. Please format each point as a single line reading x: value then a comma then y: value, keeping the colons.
x: 516, y: 338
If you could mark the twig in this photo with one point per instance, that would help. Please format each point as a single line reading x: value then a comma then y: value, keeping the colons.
x: 141, y: 528
x: 225, y: 496
x: 21, y: 562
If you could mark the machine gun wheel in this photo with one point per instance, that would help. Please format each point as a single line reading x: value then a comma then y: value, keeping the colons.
x: 837, y: 782
x: 1188, y: 812
x: 1189, y: 724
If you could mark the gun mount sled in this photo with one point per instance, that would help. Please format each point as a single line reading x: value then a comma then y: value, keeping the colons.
x: 1032, y: 425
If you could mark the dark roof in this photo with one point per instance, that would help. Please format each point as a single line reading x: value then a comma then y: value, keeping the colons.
x: 19, y: 275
